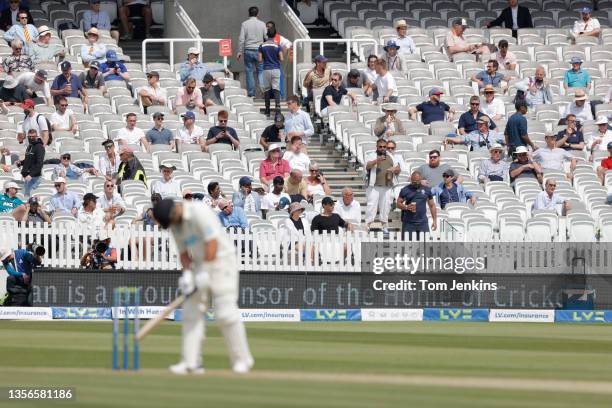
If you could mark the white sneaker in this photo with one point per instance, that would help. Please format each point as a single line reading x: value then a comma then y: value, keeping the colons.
x: 182, y: 369
x: 243, y: 367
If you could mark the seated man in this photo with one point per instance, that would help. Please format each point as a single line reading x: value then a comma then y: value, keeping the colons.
x: 349, y: 209
x: 504, y: 58
x: 153, y: 94
x: 230, y: 216
x: 586, y: 26
x: 43, y: 50
x: 480, y: 139
x: 494, y: 169
x: 571, y: 138
x: 158, y: 134
x: 296, y: 186
x: 193, y: 68
x: 491, y: 76
x: 493, y: 107
x: 114, y: 69
x: 63, y: 201
x: 215, y: 194
x: 67, y: 84
x: 167, y: 187
x: 90, y: 215
x: 353, y: 79
x: 456, y: 43
x: 211, y: 91
x: 131, y: 134
x: 272, y: 200
x: 223, y: 133
x: 12, y: 93
x: 389, y: 124
x: 23, y: 30
x: 606, y: 165
x: 451, y: 192
x: 328, y: 221
x: 36, y: 85
x: 580, y: 108
x: 10, y: 203
x: 576, y: 77
x: 35, y: 214
x: 100, y: 19
x: 8, y: 160
x: 190, y: 97
x: 432, y: 110
x: 93, y: 78
x: 274, y: 132
x: 391, y: 57
x: 548, y: 199
x: 190, y: 133
x: 524, y: 167
x: 67, y: 170
x: 94, y: 50
x: 468, y: 120
x: 296, y: 155
x: 246, y: 198
x: 63, y: 118
x: 333, y: 93
x: 551, y: 157
x: 111, y: 202
x: 17, y: 61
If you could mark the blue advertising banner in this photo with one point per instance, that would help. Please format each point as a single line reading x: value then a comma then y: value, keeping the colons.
x: 583, y: 316
x: 82, y: 313
x: 331, y: 315
x: 457, y: 315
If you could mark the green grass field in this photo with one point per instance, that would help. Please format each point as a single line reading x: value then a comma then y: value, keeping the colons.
x: 411, y: 364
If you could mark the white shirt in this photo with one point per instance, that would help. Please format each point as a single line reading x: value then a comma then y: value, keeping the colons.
x: 384, y: 83
x: 299, y: 161
x: 167, y: 189
x: 157, y: 92
x: 582, y: 113
x: 131, y: 137
x: 370, y: 75
x: 116, y: 199
x: 552, y: 158
x: 270, y: 200
x: 27, y: 79
x: 105, y: 166
x: 581, y: 27
x: 406, y: 45
x: 605, y: 139
x: 308, y: 14
x: 514, y: 11
x: 62, y: 121
x: 31, y: 123
x: 92, y: 219
x: 496, y: 107
x: 544, y: 202
x: 184, y: 136
x: 350, y: 213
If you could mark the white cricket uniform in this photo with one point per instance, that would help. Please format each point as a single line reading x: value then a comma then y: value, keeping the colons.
x: 199, y: 226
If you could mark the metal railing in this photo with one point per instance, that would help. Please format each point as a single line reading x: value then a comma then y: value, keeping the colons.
x: 196, y: 41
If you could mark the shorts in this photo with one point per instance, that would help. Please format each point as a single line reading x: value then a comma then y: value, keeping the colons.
x: 135, y: 10
x: 271, y: 79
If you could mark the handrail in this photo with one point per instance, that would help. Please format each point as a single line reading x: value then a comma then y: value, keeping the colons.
x: 294, y: 19
x: 171, y: 41
x: 184, y: 18
x: 321, y: 41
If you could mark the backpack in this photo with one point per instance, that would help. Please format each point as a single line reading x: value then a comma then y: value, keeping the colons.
x: 48, y: 127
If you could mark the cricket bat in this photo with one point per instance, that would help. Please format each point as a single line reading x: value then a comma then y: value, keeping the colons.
x: 153, y: 323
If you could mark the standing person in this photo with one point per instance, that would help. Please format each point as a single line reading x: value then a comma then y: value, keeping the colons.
x: 270, y: 55
x: 405, y: 44
x: 36, y: 85
x: 385, y: 84
x: 513, y: 17
x: 285, y: 45
x: 129, y: 8
x: 209, y: 270
x: 23, y: 30
x: 10, y: 15
x: 413, y: 200
x: 297, y: 122
x: 36, y: 121
x: 253, y: 33
x: 516, y: 133
x: 31, y: 167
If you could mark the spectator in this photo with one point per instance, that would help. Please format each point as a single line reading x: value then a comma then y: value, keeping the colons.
x: 135, y: 8
x: 297, y: 122
x: 296, y: 186
x: 253, y: 33
x: 222, y: 133
x: 538, y: 89
x: 316, y: 181
x: 43, y: 50
x: 190, y: 133
x: 12, y: 92
x: 456, y: 43
x: 285, y: 46
x: 246, y: 198
x: 23, y: 30
x: 296, y: 155
x: 380, y: 170
x: 405, y: 44
x: 211, y: 91
x: 349, y: 209
x: 524, y: 167
x: 391, y: 56
x: 318, y: 77
x: 491, y: 76
x: 603, y: 136
x: 190, y: 97
x: 353, y: 79
x: 63, y: 118
x: 385, y: 85
x: 193, y: 68
x: 94, y: 50
x: 480, y: 139
x: 504, y: 58
x: 548, y: 199
x: 8, y: 160
x: 63, y: 201
x: 114, y: 69
x: 270, y: 56
x: 580, y: 108
x: 432, y: 110
x: 430, y: 174
x: 93, y: 78
x: 152, y: 94
x: 328, y: 221
x: 551, y: 157
x: 35, y: 214
x: 468, y: 120
x: 214, y: 195
x: 167, y: 187
x: 571, y: 138
x: 274, y: 132
x: 369, y: 77
x: 158, y: 134
x: 131, y: 134
x: 513, y: 17
x: 96, y: 18
x: 295, y: 224
x: 450, y: 192
x: 109, y: 162
x: 36, y: 121
x: 31, y: 167
x: 36, y: 85
x: 413, y: 201
x: 130, y: 167
x: 333, y: 93
x: 273, y: 166
x: 68, y: 85
x: 275, y: 199
x: 576, y: 77
x: 308, y: 11
x: 389, y: 125
x: 398, y: 158
x: 67, y: 170
x: 111, y: 202
x: 146, y: 218
x: 493, y: 108
x: 90, y: 215
x: 587, y: 26
x: 10, y: 203
x: 10, y: 15
x: 606, y: 165
x: 17, y: 61
x: 516, y: 133
x: 494, y: 169
x: 232, y: 217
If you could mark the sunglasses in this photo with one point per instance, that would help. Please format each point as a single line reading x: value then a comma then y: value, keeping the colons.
x: 433, y: 157
x: 57, y: 185
x: 446, y: 175
x: 65, y: 157
x: 390, y: 148
x: 222, y: 120
x: 191, y: 88
x: 108, y: 147
x: 64, y: 105
x: 475, y: 104
x: 224, y: 208
x: 552, y: 185
x: 188, y: 196
x: 109, y: 185
x: 159, y: 119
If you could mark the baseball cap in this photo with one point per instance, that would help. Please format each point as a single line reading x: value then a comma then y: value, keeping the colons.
x: 162, y: 211
x: 436, y: 91
x: 586, y: 10
x: 153, y: 73
x: 320, y: 58
x: 283, y: 203
x: 354, y: 73
x: 90, y: 196
x: 609, y: 145
x: 521, y: 149
x: 278, y: 180
x: 576, y: 60
x: 208, y: 78
x: 188, y: 115
x: 327, y: 201
x: 11, y: 184
x: 60, y: 180
x: 449, y: 172
x: 193, y: 50
x: 496, y: 146
x: 244, y: 181
x: 65, y: 65
x: 390, y: 106
x: 279, y: 117
x: 460, y: 21
x: 111, y: 56
x: 489, y: 88
x: 94, y: 64
x: 158, y: 115
x: 156, y: 196
x: 41, y: 73
x: 10, y: 83
x: 28, y: 104
x: 95, y: 1
x: 602, y: 120
x: 33, y: 200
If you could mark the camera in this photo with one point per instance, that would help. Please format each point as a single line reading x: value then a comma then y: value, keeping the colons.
x: 36, y: 249
x: 100, y: 247
x: 381, y: 153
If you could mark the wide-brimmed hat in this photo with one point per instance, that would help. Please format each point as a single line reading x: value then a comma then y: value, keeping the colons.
x: 496, y: 146
x: 400, y: 23
x: 296, y: 207
x: 580, y: 95
x: 521, y: 149
x: 488, y: 88
x: 10, y: 184
x: 10, y: 83
x: 193, y: 50
x: 43, y: 30
x: 391, y: 106
x: 5, y: 253
x: 602, y: 120
x: 391, y: 44
x: 94, y: 31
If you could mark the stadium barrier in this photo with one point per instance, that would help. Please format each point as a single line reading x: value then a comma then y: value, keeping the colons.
x: 171, y: 41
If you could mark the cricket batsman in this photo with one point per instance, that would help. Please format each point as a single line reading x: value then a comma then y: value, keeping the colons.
x: 209, y: 273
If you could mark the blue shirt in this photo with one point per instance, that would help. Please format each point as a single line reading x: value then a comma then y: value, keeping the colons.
x: 269, y: 52
x: 162, y: 136
x: 515, y: 128
x: 468, y: 123
x: 106, y: 66
x: 455, y: 194
x: 575, y: 138
x: 487, y: 79
x: 580, y: 79
x: 24, y: 262
x: 236, y: 219
x: 481, y: 141
x: 420, y: 196
x: 8, y: 204
x: 99, y: 20
x: 197, y: 71
x: 431, y: 113
x: 64, y: 203
x: 300, y: 122
x: 215, y: 130
x: 60, y: 81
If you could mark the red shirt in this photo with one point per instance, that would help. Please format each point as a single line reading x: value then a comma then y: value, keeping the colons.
x: 268, y: 171
x: 607, y: 163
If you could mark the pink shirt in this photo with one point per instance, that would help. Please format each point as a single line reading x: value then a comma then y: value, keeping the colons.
x: 182, y: 97
x: 268, y: 171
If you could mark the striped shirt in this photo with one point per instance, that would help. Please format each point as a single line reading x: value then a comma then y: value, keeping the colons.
x: 490, y: 168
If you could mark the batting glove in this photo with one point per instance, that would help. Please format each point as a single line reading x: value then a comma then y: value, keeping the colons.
x: 186, y: 282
